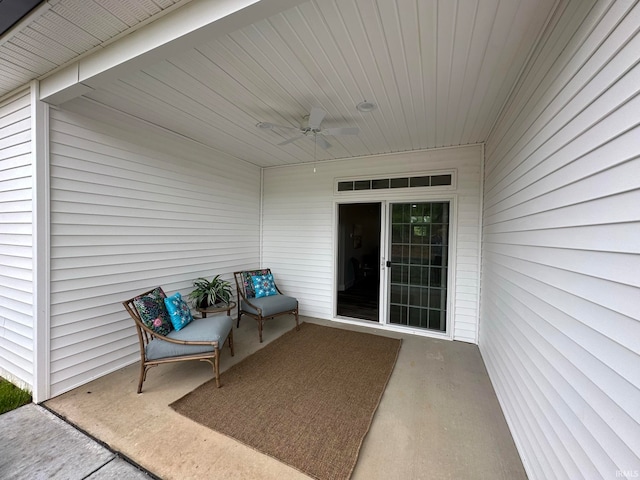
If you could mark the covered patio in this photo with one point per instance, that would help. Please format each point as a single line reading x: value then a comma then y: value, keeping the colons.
x: 440, y: 422
x: 152, y: 146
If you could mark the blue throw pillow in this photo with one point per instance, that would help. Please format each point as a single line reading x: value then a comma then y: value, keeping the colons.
x: 179, y: 311
x: 264, y: 285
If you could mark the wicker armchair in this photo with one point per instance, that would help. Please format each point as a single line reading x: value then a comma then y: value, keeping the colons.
x: 201, y: 339
x: 262, y: 305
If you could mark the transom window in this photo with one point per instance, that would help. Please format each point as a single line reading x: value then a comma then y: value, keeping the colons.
x: 422, y: 181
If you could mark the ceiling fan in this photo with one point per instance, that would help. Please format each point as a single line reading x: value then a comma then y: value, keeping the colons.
x: 312, y: 129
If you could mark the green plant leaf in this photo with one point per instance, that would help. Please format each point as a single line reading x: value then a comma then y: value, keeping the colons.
x: 213, y: 291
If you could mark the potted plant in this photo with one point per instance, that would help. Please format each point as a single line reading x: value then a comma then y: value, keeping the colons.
x: 210, y: 292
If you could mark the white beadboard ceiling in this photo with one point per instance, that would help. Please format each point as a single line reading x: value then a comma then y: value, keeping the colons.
x: 58, y: 31
x: 439, y: 71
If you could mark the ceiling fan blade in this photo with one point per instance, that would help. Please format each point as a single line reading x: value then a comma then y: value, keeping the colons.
x: 291, y: 140
x: 315, y: 117
x: 271, y: 126
x: 322, y: 142
x: 341, y: 131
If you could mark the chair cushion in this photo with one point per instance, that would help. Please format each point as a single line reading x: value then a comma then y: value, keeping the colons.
x: 264, y: 285
x: 153, y: 311
x: 270, y: 305
x: 208, y: 329
x: 179, y: 311
x: 247, y: 281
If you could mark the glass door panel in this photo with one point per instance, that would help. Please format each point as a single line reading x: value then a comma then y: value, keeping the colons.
x: 359, y: 237
x: 418, y: 260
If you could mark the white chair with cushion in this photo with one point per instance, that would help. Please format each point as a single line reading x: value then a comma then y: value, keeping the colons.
x: 168, y: 333
x: 260, y: 298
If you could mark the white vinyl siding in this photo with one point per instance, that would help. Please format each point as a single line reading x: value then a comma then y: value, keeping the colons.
x: 299, y: 225
x: 133, y: 207
x: 16, y: 257
x: 560, y: 319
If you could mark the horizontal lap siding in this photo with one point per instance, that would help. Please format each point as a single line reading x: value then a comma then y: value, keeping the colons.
x: 299, y: 224
x: 133, y: 208
x: 16, y: 259
x: 560, y: 320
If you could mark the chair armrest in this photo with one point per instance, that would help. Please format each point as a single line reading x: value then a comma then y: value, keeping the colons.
x: 259, y: 310
x: 185, y: 342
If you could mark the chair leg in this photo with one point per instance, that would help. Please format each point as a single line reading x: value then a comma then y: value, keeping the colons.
x: 230, y: 340
x: 260, y: 328
x: 238, y: 322
x: 142, y: 375
x: 297, y: 324
x: 216, y: 367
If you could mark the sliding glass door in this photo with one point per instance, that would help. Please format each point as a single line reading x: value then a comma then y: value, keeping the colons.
x: 418, y: 262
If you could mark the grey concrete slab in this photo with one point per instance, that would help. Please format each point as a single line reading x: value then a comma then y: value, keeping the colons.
x: 118, y: 469
x: 35, y: 444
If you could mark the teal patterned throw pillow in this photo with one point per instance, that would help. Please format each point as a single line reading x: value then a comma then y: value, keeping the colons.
x: 179, y: 311
x: 264, y: 285
x: 153, y: 312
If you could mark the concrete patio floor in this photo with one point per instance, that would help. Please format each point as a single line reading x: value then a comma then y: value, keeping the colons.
x: 438, y: 418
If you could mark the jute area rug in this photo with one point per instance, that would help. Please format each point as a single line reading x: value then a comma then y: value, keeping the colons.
x: 306, y: 399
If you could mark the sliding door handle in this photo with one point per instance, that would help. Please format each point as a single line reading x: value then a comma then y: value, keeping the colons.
x: 389, y: 263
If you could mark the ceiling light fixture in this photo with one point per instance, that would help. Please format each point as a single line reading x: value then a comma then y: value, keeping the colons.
x: 365, y: 107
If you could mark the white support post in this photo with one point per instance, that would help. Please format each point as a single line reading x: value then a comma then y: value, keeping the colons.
x: 40, y: 247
